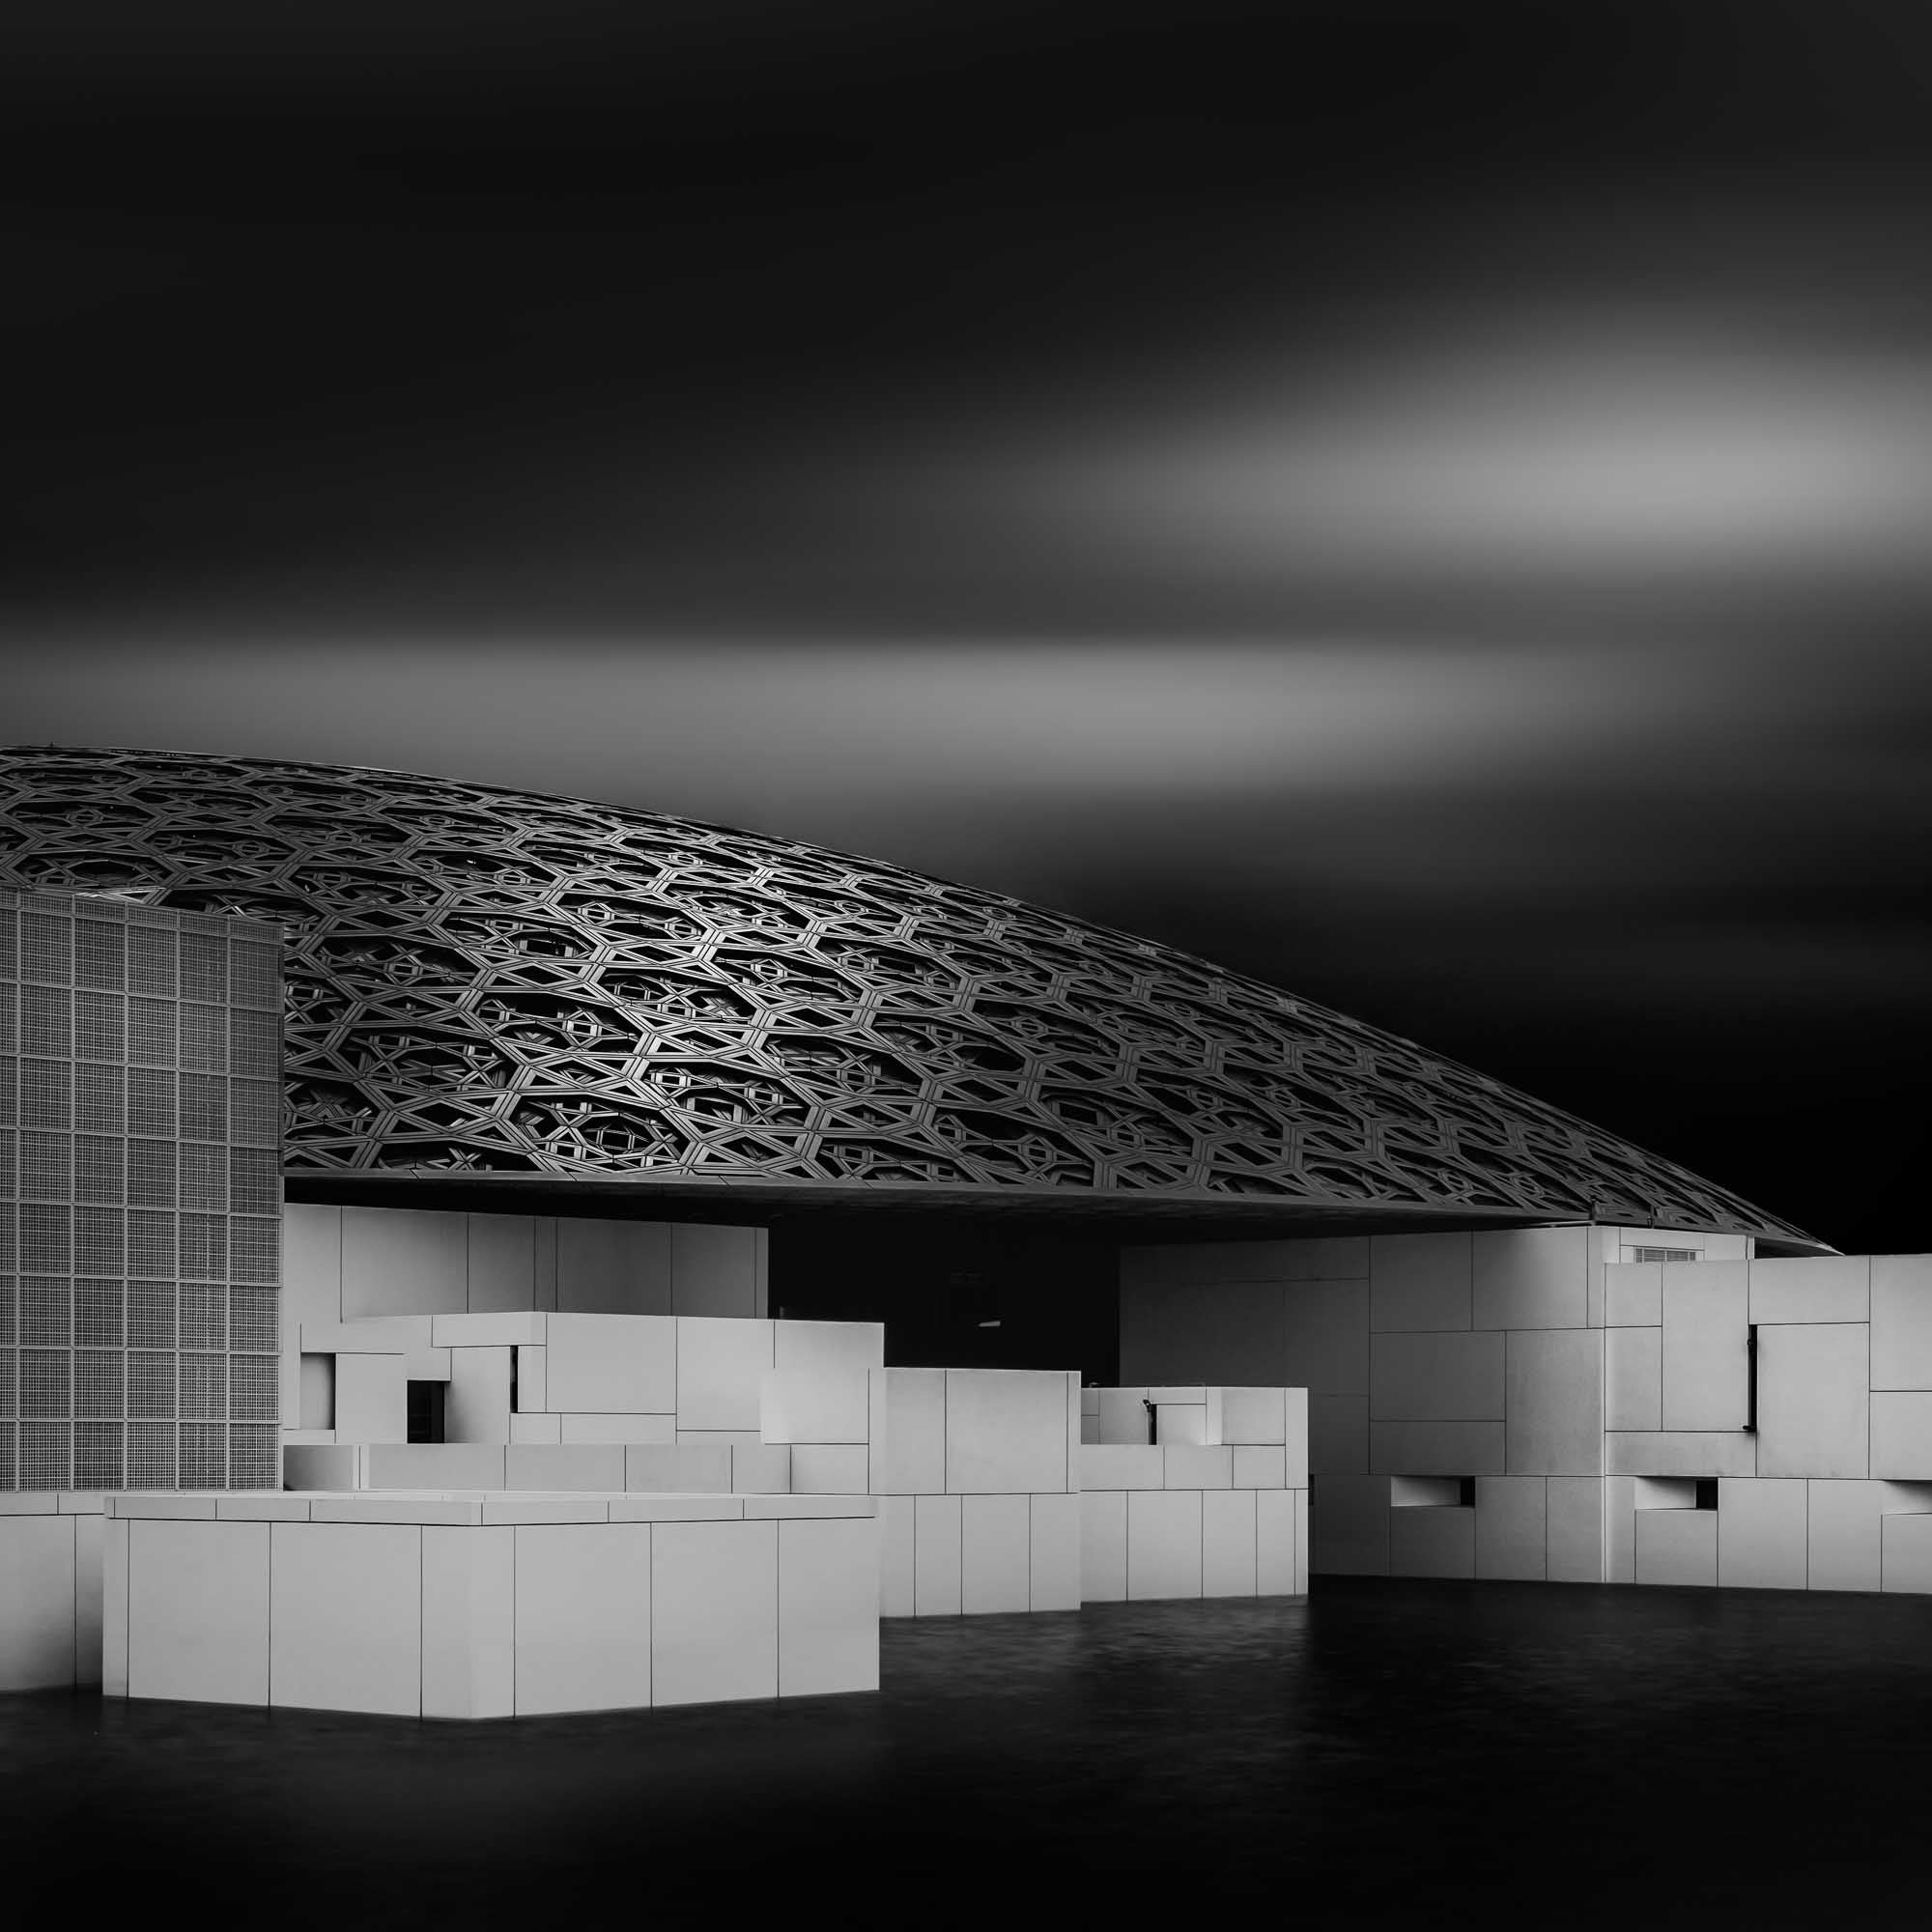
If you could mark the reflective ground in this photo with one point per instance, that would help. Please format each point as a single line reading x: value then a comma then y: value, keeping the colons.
x: 1390, y: 1753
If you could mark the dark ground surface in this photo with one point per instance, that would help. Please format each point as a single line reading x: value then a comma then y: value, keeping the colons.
x: 1389, y: 1753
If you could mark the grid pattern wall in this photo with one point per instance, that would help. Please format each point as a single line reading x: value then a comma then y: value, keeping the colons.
x: 140, y: 1196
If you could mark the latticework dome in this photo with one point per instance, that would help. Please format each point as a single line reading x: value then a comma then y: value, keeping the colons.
x: 495, y: 983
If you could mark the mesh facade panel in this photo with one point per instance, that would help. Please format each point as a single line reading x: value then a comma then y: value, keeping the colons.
x: 121, y: 1361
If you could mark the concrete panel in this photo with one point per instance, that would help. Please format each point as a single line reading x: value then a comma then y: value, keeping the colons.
x: 995, y: 1553
x: 1163, y: 1544
x: 502, y: 1263
x: 1619, y: 1529
x: 722, y: 1366
x: 372, y: 1398
x: 714, y: 1270
x: 345, y: 1611
x: 404, y: 1261
x: 568, y: 1465
x: 1294, y: 1407
x: 1259, y: 1467
x: 713, y: 1612
x: 1842, y: 1535
x: 1633, y: 1295
x: 828, y: 1607
x: 1677, y: 1545
x: 1706, y: 1370
x: 1555, y: 1395
x: 1904, y: 1553
x: 114, y: 1607
x: 1227, y: 1562
x: 1053, y: 1528
x: 1006, y: 1431
x: 829, y: 1348
x: 500, y: 1328
x: 830, y: 1468
x: 1181, y: 1422
x: 936, y: 1531
x: 198, y: 1611
x: 1254, y: 1415
x: 817, y: 1405
x: 1185, y: 1467
x: 1220, y: 1332
x: 668, y: 1468
x: 911, y: 1458
x: 434, y: 1465
x: 1280, y: 1543
x: 38, y: 1602
x: 1420, y: 1282
x: 1512, y: 1526
x: 1761, y: 1535
x: 1123, y: 1465
x: 1901, y: 1321
x: 1122, y: 1413
x: 311, y: 1286
x: 613, y: 1268
x: 1326, y: 1337
x: 1348, y: 1517
x: 583, y: 1616
x: 1901, y: 1436
x: 1634, y: 1366
x: 1103, y: 1545
x: 1453, y: 1377
x: 537, y: 1428
x: 468, y: 1622
x: 761, y: 1469
x: 1676, y: 1451
x: 1433, y: 1449
x: 895, y: 1555
x: 653, y: 1429
x: 320, y: 1465
x: 477, y: 1407
x: 88, y: 1538
x: 1812, y: 1402
x: 603, y: 1363
x: 1816, y: 1288
x: 1531, y: 1278
x: 1338, y: 1435
x: 1573, y: 1529
x: 1433, y: 1543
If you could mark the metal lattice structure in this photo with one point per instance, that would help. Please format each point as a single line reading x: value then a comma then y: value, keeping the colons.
x: 491, y: 983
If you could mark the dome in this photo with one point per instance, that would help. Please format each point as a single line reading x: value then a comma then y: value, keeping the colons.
x: 495, y: 985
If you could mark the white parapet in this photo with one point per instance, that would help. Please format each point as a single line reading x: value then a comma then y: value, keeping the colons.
x: 49, y: 1589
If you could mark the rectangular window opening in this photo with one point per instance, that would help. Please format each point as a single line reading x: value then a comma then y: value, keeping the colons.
x: 426, y: 1412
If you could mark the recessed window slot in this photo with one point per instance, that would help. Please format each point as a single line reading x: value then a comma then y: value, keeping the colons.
x: 1432, y: 1491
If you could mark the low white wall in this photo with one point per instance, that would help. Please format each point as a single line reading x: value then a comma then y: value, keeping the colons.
x: 49, y: 1589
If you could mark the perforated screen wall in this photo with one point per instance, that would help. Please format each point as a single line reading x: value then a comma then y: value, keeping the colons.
x: 140, y: 1196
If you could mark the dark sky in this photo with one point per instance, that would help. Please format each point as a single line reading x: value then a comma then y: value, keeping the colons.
x: 1428, y: 504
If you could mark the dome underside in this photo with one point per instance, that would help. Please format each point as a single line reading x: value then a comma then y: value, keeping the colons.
x: 494, y: 985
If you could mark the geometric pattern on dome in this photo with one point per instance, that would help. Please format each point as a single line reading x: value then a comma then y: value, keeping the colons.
x: 492, y: 982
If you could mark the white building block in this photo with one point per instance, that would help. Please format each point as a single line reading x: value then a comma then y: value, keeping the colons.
x: 198, y: 1611
x: 1633, y: 1295
x: 1453, y: 1377
x: 1531, y: 1278
x: 1812, y: 1402
x: 88, y: 1538
x: 434, y: 1465
x: 828, y: 1606
x: 830, y: 1468
x: 1901, y: 1321
x: 1259, y: 1467
x: 114, y: 1606
x: 713, y: 1612
x: 391, y: 1335
x: 1433, y: 1543
x: 468, y: 1622
x: 1325, y: 1336
x: 613, y: 1268
x: 995, y: 1553
x: 372, y: 1398
x: 1512, y: 1526
x: 830, y: 1348
x: 1122, y: 1414
x: 501, y: 1263
x: 908, y: 1424
x: 1163, y: 1544
x: 503, y: 1328
x: 536, y: 1427
x: 1904, y: 1553
x: 1419, y: 1281
x: 532, y: 1379
x: 936, y: 1532
x: 1902, y: 1435
x: 1842, y: 1534
x: 714, y: 1270
x: 602, y: 1363
x: 1103, y: 1545
x: 1181, y: 1422
x: 817, y: 1405
x: 1434, y: 1449
x: 1281, y: 1552
x: 1812, y: 1288
x: 583, y: 1615
x: 403, y: 1262
x: 1619, y: 1529
x: 895, y: 1555
x: 1573, y: 1529
x: 346, y: 1616
x: 37, y: 1599
x: 584, y: 1465
x: 761, y: 1469
x: 1761, y: 1535
x: 1186, y: 1467
x: 657, y: 1431
x: 1054, y: 1533
x: 321, y: 1465
x: 1228, y: 1560
x: 1677, y: 1545
x: 477, y: 1407
x: 1254, y: 1415
x: 1633, y: 1365
x: 722, y: 1367
x: 1123, y: 1465
x: 1006, y: 1431
x: 1677, y: 1452
x: 1554, y: 1388
x: 1348, y: 1517
x: 668, y: 1468
x: 1706, y: 1370
x: 1338, y: 1435
x: 1294, y: 1409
